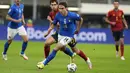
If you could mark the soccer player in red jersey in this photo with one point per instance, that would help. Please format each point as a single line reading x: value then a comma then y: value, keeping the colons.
x: 50, y: 17
x: 117, y: 21
x: 54, y: 37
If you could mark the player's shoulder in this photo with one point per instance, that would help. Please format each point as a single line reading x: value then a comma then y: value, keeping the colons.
x: 73, y: 14
x: 120, y: 10
x: 22, y: 5
x: 51, y: 13
x: 110, y: 11
x: 58, y: 14
x: 12, y: 6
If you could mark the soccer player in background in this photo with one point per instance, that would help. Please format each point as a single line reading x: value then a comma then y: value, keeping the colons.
x: 117, y: 21
x: 15, y: 26
x: 54, y: 38
x: 67, y: 29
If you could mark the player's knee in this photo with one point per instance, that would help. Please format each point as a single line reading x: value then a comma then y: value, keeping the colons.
x: 121, y: 42
x: 25, y: 39
x: 9, y: 41
x: 47, y: 44
x: 62, y: 49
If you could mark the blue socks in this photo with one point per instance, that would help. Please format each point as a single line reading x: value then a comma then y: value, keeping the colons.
x: 53, y: 54
x: 50, y: 57
x: 68, y: 52
x: 6, y: 46
x: 24, y: 46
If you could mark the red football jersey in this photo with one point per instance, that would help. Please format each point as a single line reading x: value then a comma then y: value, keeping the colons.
x: 52, y: 14
x: 116, y: 16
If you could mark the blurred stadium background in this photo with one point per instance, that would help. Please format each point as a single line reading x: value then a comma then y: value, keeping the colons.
x: 93, y: 12
x: 94, y: 31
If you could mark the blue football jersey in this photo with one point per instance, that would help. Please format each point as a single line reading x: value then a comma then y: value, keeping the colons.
x: 15, y: 12
x: 67, y: 23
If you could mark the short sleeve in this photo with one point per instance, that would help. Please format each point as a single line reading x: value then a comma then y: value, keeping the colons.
x: 108, y: 14
x: 76, y: 16
x: 10, y: 11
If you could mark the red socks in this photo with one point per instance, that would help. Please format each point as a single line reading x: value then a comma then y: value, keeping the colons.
x: 82, y: 55
x: 46, y: 51
x: 122, y: 49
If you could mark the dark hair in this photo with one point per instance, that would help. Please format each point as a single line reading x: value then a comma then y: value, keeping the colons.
x: 64, y: 4
x: 116, y: 1
x: 51, y: 1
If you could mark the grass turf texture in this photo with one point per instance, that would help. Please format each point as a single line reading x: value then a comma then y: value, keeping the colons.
x: 102, y: 56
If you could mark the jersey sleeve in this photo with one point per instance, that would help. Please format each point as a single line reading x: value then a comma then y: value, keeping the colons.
x: 11, y: 10
x: 76, y: 16
x: 55, y: 20
x: 22, y: 8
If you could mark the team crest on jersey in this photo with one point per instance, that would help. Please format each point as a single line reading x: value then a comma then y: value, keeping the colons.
x: 113, y: 14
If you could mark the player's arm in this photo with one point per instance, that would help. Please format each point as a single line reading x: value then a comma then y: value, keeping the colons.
x: 49, y: 30
x: 124, y: 21
x: 79, y: 24
x: 23, y: 19
x: 49, y: 19
x: 79, y: 20
x: 51, y: 26
x: 107, y: 19
x: 8, y: 16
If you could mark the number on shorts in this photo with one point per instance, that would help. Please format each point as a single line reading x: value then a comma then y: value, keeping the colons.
x: 66, y: 39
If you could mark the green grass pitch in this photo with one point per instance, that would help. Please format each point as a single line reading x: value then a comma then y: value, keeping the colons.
x: 102, y: 56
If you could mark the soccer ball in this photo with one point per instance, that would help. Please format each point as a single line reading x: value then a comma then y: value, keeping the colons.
x: 71, y: 67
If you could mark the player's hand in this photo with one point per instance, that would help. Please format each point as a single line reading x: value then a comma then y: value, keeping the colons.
x: 126, y: 27
x: 49, y: 18
x: 113, y: 23
x: 19, y: 20
x: 45, y: 35
x: 24, y: 24
x: 76, y: 32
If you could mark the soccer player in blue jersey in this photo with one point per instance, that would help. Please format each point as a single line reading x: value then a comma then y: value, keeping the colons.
x: 15, y: 26
x: 67, y: 21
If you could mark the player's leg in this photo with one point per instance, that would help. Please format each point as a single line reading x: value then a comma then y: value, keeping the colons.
x: 53, y: 53
x: 51, y: 56
x: 10, y: 35
x: 22, y: 32
x: 79, y: 52
x: 122, y: 45
x: 51, y: 40
x: 117, y: 42
x: 83, y: 56
x: 62, y: 42
x: 72, y: 44
x: 68, y: 52
x: 48, y: 42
